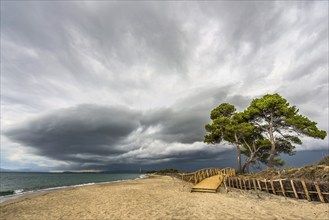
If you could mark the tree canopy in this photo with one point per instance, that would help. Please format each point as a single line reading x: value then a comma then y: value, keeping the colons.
x: 223, y: 128
x: 281, y: 124
x: 266, y: 129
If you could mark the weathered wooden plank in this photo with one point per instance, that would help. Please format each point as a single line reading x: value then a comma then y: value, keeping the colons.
x: 306, y: 190
x: 282, y: 188
x: 211, y: 183
x: 265, y: 181
x: 244, y: 183
x: 294, y: 189
x: 259, y: 186
x: 272, y: 186
x: 319, y: 192
x: 254, y: 182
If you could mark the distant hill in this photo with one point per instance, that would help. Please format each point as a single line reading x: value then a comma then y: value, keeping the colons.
x: 5, y: 170
x: 13, y: 171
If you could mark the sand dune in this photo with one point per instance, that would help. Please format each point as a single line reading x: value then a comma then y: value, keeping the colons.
x: 158, y: 197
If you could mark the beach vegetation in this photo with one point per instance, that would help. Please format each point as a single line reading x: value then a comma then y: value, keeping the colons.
x: 171, y: 170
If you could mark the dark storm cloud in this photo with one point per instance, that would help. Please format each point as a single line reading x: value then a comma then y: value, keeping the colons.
x: 186, y: 126
x: 94, y: 134
x: 185, y: 121
x: 85, y: 130
x: 191, y: 163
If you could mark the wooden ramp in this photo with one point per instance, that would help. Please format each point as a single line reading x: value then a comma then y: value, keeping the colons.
x: 210, y: 184
x: 207, y: 179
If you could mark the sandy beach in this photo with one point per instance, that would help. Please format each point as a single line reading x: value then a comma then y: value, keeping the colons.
x: 158, y: 197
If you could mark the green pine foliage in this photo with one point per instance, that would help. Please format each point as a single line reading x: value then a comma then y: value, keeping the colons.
x: 281, y: 123
x: 266, y: 129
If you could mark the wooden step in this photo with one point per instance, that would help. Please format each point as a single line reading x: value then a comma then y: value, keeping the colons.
x: 203, y: 190
x: 210, y: 184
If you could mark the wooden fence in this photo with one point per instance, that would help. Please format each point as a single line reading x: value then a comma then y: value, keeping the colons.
x: 299, y: 189
x: 293, y: 188
x: 198, y: 176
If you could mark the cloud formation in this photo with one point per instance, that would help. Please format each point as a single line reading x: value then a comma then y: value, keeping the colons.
x: 75, y: 133
x: 103, y: 83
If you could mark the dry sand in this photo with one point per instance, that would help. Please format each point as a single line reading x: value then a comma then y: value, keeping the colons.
x: 158, y: 197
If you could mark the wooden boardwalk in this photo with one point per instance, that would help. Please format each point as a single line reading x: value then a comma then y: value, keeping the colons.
x: 207, y: 179
x: 210, y: 184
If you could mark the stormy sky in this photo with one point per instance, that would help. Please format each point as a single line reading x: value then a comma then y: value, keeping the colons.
x: 120, y: 85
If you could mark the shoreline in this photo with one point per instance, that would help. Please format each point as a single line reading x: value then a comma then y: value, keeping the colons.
x: 158, y: 197
x: 32, y: 193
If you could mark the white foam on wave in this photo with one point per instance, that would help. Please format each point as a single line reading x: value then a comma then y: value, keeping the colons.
x: 63, y: 187
x: 143, y: 176
x: 18, y: 191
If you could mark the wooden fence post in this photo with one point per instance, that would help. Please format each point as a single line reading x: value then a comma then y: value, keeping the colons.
x: 319, y: 191
x: 244, y: 183
x: 282, y: 188
x: 265, y: 181
x: 306, y: 190
x: 272, y: 186
x: 259, y: 186
x: 254, y: 182
x: 294, y: 189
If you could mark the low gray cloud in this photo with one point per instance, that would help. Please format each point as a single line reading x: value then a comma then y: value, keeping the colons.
x: 96, y: 134
x: 177, y: 126
x: 84, y: 130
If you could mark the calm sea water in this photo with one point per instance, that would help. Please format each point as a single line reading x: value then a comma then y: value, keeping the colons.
x: 20, y: 183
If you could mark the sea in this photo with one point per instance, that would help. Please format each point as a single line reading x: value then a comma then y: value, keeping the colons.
x: 13, y: 185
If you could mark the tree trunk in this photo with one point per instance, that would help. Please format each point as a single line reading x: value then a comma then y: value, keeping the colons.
x: 239, y: 157
x: 245, y: 168
x: 272, y: 151
x: 238, y: 152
